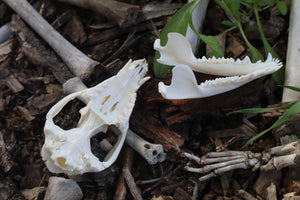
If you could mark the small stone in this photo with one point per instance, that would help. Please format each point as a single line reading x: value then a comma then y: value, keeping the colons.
x: 235, y: 48
x: 63, y: 189
x: 34, y: 193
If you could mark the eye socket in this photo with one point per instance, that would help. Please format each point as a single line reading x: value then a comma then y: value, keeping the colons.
x: 102, y: 143
x: 69, y: 116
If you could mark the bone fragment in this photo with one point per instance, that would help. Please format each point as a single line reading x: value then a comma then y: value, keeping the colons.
x: 277, y: 163
x: 79, y: 63
x: 271, y: 192
x: 292, y: 71
x: 121, y: 13
x: 285, y: 149
x: 153, y: 153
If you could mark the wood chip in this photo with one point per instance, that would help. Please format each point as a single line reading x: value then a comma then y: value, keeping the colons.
x: 2, y: 104
x: 14, y: 84
x: 26, y: 113
x: 5, y: 49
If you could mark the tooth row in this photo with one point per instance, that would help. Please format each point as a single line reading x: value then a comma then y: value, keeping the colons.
x: 225, y: 80
x: 223, y: 60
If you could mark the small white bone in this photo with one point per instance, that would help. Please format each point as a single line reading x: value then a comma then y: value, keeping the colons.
x: 184, y: 85
x: 109, y: 103
x: 153, y: 153
x: 217, y: 163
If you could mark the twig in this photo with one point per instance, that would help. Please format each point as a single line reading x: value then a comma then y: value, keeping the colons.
x: 195, y: 190
x: 122, y: 13
x: 78, y: 62
x: 245, y: 195
x: 131, y: 38
x: 162, y: 179
x: 135, y: 191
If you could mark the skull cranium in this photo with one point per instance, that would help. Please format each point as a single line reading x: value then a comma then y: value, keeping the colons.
x: 109, y: 103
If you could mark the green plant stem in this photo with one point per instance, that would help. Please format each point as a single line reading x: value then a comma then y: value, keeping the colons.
x: 279, y: 75
x: 256, y: 54
x: 266, y: 44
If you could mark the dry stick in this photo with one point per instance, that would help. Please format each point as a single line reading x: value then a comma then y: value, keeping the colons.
x: 122, y: 13
x: 135, y: 191
x: 121, y: 189
x: 179, y: 167
x: 80, y: 64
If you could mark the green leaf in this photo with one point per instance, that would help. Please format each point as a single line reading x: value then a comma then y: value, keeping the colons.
x: 291, y: 87
x: 261, y: 110
x: 178, y: 23
x: 234, y: 6
x: 248, y: 1
x: 213, y: 43
x: 263, y: 3
x: 290, y: 113
x: 227, y: 23
x: 281, y: 7
x: 256, y: 55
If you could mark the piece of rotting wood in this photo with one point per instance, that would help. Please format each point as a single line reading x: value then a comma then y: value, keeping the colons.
x: 78, y: 62
x: 121, y: 13
x: 292, y: 71
x: 13, y: 84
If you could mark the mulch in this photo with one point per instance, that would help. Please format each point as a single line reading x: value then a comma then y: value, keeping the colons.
x: 28, y: 89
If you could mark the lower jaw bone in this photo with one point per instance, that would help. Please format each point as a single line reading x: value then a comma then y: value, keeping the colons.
x: 110, y: 103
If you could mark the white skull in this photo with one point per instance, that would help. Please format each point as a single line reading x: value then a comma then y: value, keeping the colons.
x: 109, y: 103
